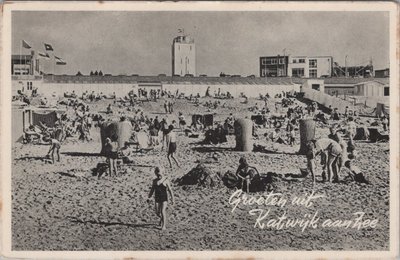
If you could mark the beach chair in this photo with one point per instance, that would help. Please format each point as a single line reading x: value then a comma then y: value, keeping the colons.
x: 376, y: 136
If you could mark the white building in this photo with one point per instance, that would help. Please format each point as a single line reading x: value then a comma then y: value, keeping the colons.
x: 372, y: 89
x: 310, y: 66
x: 183, y: 56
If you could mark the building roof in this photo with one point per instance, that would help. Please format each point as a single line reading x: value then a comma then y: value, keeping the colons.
x: 134, y: 79
x: 21, y: 57
x: 169, y: 80
x: 353, y: 81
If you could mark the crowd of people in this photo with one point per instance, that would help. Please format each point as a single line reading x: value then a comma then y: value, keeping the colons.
x: 278, y: 119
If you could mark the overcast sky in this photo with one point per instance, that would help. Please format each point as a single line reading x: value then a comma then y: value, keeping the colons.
x: 230, y: 42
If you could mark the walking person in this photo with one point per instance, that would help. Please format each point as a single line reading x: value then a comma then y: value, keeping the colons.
x: 161, y: 187
x: 171, y: 144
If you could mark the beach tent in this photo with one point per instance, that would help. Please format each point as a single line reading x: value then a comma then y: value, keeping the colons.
x: 258, y: 119
x: 143, y: 139
x: 119, y: 132
x: 49, y: 119
x: 206, y: 119
x: 381, y: 110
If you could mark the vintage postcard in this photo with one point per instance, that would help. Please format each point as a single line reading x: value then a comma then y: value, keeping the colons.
x: 178, y: 130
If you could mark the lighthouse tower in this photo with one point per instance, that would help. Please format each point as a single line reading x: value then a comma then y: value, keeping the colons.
x: 183, y: 55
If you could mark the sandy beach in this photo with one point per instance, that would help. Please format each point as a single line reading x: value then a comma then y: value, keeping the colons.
x: 62, y: 206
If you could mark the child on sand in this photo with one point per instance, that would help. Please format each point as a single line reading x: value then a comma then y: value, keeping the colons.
x: 161, y: 187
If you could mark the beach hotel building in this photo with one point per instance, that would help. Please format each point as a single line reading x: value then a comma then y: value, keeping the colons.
x: 296, y: 66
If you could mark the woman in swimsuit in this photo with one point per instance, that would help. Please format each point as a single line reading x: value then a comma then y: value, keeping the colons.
x: 161, y: 187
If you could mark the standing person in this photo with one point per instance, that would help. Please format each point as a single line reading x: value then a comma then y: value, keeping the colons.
x: 336, y: 115
x: 291, y: 132
x: 346, y: 112
x: 55, y: 146
x: 182, y: 121
x: 208, y: 91
x: 171, y: 144
x: 161, y: 187
x: 164, y: 130
x: 166, y: 107
x: 385, y: 123
x: 111, y: 155
x: 351, y: 128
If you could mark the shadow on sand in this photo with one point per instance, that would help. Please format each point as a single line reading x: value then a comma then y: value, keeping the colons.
x: 142, y: 225
x: 38, y: 158
x: 210, y: 149
x: 81, y: 154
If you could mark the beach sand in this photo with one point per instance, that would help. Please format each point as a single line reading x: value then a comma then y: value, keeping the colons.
x: 64, y: 207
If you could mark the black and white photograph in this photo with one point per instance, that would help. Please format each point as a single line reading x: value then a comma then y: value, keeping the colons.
x: 200, y: 129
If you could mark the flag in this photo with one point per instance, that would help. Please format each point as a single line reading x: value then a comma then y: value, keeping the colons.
x: 60, y: 61
x: 25, y: 45
x: 48, y: 47
x: 44, y: 55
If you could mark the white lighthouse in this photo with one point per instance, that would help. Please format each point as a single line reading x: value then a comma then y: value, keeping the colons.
x: 183, y: 56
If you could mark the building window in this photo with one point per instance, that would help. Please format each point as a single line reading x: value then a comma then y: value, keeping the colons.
x: 298, y: 72
x: 294, y: 61
x: 315, y: 86
x: 273, y: 61
x: 263, y: 72
x: 190, y: 47
x: 312, y: 63
x: 268, y: 61
x: 386, y: 91
x: 281, y: 61
x: 302, y: 61
x: 263, y: 62
x: 313, y: 73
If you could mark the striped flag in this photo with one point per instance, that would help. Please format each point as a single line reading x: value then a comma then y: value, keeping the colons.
x: 44, y: 55
x: 48, y: 47
x: 60, y: 61
x: 25, y: 45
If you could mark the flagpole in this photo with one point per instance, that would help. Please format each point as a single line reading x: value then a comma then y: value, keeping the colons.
x: 20, y: 58
x: 54, y: 61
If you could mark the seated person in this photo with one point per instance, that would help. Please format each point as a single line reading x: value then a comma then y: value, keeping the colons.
x: 356, y: 173
x: 33, y: 131
x: 243, y: 174
x: 182, y: 120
